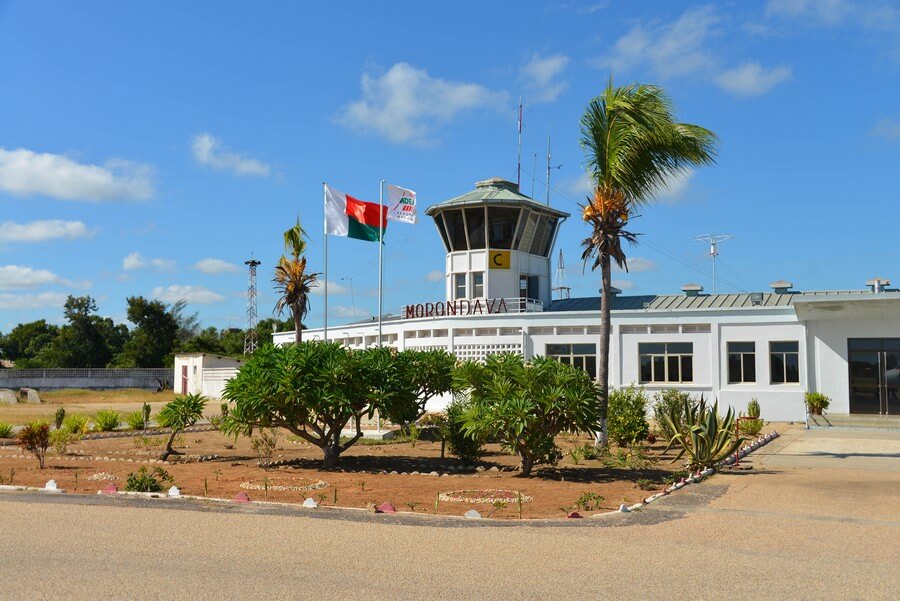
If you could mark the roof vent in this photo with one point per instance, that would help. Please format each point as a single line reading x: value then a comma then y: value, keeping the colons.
x: 613, y: 290
x: 692, y: 289
x: 781, y: 287
x: 878, y: 285
x: 497, y: 182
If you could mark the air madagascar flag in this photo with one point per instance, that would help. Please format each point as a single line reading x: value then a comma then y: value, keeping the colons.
x: 354, y: 218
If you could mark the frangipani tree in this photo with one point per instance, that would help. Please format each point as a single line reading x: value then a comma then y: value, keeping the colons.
x: 183, y: 412
x: 526, y: 405
x: 316, y: 390
x: 634, y: 147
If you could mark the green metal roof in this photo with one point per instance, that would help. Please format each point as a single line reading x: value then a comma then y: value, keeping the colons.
x: 495, y: 192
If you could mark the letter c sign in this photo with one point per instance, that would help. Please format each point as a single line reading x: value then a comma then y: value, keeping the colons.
x: 498, y: 259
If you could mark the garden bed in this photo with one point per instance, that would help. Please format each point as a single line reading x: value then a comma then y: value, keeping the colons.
x: 411, y: 477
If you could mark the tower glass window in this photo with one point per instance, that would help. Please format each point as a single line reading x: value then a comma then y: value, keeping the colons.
x: 456, y: 229
x: 502, y: 224
x: 439, y: 221
x: 475, y: 227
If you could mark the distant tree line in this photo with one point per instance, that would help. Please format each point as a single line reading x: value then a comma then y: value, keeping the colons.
x: 159, y: 332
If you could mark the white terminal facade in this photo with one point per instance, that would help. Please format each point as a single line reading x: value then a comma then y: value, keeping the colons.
x: 772, y: 346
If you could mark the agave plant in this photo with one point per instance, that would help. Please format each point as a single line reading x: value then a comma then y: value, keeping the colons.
x: 703, y: 436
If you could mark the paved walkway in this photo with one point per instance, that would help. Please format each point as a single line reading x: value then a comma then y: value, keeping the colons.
x: 807, y: 522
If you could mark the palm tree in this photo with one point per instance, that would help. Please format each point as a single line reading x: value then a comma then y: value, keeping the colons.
x: 179, y: 414
x: 634, y: 146
x: 292, y: 281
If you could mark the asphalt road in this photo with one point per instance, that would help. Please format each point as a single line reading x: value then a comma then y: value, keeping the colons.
x: 801, y: 525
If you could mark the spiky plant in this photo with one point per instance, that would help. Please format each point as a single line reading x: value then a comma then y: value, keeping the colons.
x: 634, y: 148
x: 705, y: 437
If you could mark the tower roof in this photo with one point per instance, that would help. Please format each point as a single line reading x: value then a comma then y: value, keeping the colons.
x: 494, y: 191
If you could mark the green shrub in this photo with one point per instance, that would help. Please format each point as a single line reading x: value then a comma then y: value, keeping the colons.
x: 60, y: 416
x: 145, y: 480
x: 61, y: 439
x: 627, y: 415
x: 6, y: 430
x: 145, y: 409
x: 107, y: 420
x: 750, y: 427
x: 75, y: 423
x: 264, y: 445
x: 467, y: 449
x: 35, y: 438
x: 634, y: 457
x: 183, y: 412
x: 135, y: 419
x: 753, y: 408
x: 669, y: 403
x: 526, y: 405
x: 816, y: 402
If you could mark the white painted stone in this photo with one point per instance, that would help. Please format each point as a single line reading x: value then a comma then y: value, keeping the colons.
x: 8, y: 397
x: 624, y: 508
x: 51, y: 485
x: 472, y: 515
x: 310, y: 503
x: 174, y: 492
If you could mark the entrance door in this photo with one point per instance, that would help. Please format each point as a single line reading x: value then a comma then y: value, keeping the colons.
x: 874, y: 365
x: 184, y: 379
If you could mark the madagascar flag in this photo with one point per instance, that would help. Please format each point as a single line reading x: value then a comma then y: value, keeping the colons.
x: 354, y: 218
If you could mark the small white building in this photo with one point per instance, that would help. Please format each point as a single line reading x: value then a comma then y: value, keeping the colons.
x: 773, y: 346
x: 202, y: 373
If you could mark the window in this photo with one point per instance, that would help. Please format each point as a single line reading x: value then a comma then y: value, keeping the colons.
x: 784, y: 362
x: 695, y: 328
x: 439, y: 221
x: 478, y: 284
x: 582, y: 356
x: 502, y: 222
x: 456, y: 229
x: 666, y: 361
x: 671, y: 328
x: 475, y: 227
x: 459, y: 286
x: 741, y: 362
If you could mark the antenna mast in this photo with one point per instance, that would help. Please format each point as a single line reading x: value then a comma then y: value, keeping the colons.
x: 549, y: 166
x: 713, y: 240
x: 561, y: 285
x: 250, y: 341
x: 519, y: 159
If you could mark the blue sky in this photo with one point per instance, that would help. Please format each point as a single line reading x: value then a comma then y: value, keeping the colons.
x: 149, y: 148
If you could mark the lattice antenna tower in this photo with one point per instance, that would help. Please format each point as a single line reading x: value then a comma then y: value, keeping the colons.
x: 713, y: 240
x: 250, y: 340
x: 560, y: 285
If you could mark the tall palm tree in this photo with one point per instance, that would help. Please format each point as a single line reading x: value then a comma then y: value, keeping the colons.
x: 634, y: 146
x: 292, y: 282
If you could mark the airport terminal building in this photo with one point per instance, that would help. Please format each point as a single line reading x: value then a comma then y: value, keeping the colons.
x: 773, y: 346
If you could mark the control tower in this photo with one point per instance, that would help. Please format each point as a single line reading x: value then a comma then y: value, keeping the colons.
x: 498, y: 244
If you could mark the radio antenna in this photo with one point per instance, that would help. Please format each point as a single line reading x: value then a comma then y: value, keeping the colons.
x: 713, y: 240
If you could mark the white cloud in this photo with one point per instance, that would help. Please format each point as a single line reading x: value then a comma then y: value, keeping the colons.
x: 822, y: 12
x: 26, y: 173
x: 638, y: 265
x: 32, y: 301
x: 752, y: 79
x: 668, y: 49
x: 887, y: 128
x: 40, y: 231
x: 677, y: 188
x: 624, y: 284
x: 136, y: 261
x: 579, y: 187
x: 192, y: 294
x: 407, y: 105
x: 343, y: 311
x: 333, y: 288
x: 208, y: 151
x: 542, y: 77
x: 435, y: 275
x: 216, y: 266
x: 17, y: 277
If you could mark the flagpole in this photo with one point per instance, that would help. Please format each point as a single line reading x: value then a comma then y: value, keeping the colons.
x: 380, y: 253
x: 325, y: 235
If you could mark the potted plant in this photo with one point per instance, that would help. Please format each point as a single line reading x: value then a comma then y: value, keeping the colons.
x: 816, y: 402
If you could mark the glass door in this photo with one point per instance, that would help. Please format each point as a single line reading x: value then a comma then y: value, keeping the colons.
x: 874, y: 365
